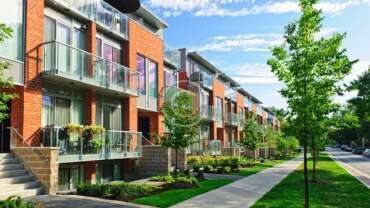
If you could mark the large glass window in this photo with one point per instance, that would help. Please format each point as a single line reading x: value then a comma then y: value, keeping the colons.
x: 11, y: 14
x: 140, y: 62
x: 170, y: 78
x: 219, y: 111
x: 153, y: 75
x: 148, y: 84
x: 108, y: 114
x: 61, y: 107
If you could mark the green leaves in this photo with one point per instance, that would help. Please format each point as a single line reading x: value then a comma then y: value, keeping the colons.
x: 181, y: 120
x: 310, y: 67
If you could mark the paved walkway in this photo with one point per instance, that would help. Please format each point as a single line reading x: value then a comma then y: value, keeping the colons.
x: 356, y: 165
x: 73, y: 201
x: 245, y: 192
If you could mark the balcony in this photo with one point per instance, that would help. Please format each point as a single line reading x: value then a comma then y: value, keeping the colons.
x: 172, y: 56
x: 104, y: 14
x: 207, y: 113
x: 205, y: 79
x: 232, y: 119
x: 64, y: 63
x: 14, y: 70
x: 214, y: 147
x: 78, y: 147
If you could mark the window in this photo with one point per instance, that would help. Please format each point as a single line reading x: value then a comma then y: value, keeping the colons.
x: 67, y: 34
x: 61, y: 107
x: 109, y: 113
x: 140, y: 63
x: 170, y: 78
x: 11, y: 14
x: 219, y: 111
x: 148, y: 84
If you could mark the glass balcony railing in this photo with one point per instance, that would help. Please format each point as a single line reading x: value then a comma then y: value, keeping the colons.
x: 207, y: 112
x: 79, y: 147
x: 172, y: 56
x: 103, y: 13
x: 207, y: 80
x: 64, y: 62
x: 232, y: 119
x: 214, y: 147
x: 14, y: 70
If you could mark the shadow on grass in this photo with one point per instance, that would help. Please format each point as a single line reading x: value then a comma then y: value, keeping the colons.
x: 336, y: 188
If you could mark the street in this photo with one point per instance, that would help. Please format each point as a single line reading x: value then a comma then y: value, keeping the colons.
x: 357, y: 165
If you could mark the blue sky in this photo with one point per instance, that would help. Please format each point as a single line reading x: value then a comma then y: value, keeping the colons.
x: 235, y: 35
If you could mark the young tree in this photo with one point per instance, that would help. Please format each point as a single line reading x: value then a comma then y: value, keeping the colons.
x: 361, y: 104
x: 5, y: 83
x: 181, y: 121
x: 250, y: 137
x: 310, y: 67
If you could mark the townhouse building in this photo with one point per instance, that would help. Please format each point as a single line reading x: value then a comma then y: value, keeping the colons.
x: 222, y: 103
x: 86, y: 63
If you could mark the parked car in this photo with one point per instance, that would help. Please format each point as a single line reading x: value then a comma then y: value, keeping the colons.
x: 358, y: 150
x: 345, y: 148
x: 366, y: 153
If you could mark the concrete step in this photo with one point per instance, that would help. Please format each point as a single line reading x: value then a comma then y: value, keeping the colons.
x: 6, y: 156
x: 12, y: 173
x: 23, y: 194
x: 8, y: 188
x: 8, y: 161
x: 11, y: 166
x: 17, y: 179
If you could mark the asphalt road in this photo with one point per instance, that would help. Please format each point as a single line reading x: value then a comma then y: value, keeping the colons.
x: 358, y: 164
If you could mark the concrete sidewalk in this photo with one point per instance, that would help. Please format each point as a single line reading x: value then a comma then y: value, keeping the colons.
x: 245, y: 192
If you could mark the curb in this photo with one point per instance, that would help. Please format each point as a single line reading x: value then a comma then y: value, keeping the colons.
x: 359, y: 175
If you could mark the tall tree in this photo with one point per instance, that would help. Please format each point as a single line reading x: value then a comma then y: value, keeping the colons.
x: 181, y: 122
x: 250, y: 136
x: 5, y: 83
x: 361, y: 104
x: 310, y: 67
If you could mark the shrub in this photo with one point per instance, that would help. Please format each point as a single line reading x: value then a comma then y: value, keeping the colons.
x: 122, y: 191
x: 221, y: 164
x: 167, y: 179
x: 15, y: 202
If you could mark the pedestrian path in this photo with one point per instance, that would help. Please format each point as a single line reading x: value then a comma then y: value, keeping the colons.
x: 245, y: 192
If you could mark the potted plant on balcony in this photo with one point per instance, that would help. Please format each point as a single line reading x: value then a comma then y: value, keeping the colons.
x: 92, y: 135
x: 73, y: 131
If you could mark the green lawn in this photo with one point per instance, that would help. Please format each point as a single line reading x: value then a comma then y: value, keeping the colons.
x: 261, y: 166
x: 171, y: 197
x: 336, y: 189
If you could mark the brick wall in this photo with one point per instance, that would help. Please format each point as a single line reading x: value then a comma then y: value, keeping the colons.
x: 151, y: 46
x: 156, y: 160
x: 32, y: 93
x: 43, y: 163
x: 218, y: 91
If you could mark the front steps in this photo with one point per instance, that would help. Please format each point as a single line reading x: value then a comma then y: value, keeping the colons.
x: 15, y: 180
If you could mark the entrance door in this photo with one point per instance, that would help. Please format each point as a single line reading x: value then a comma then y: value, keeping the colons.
x: 144, y: 126
x: 5, y: 133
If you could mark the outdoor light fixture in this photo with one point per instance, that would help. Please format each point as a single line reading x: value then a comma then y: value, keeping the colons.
x: 125, y: 6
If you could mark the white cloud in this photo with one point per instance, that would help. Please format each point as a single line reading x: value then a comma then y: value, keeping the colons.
x: 206, y: 8
x: 357, y: 69
x: 242, y: 42
x: 256, y: 73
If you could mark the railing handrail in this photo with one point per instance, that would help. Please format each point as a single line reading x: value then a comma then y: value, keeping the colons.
x: 28, y: 146
x: 146, y: 139
x: 90, y: 54
x: 114, y: 131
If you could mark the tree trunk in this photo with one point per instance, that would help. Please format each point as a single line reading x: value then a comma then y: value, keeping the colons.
x: 314, y: 160
x: 176, y: 162
x: 306, y: 193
